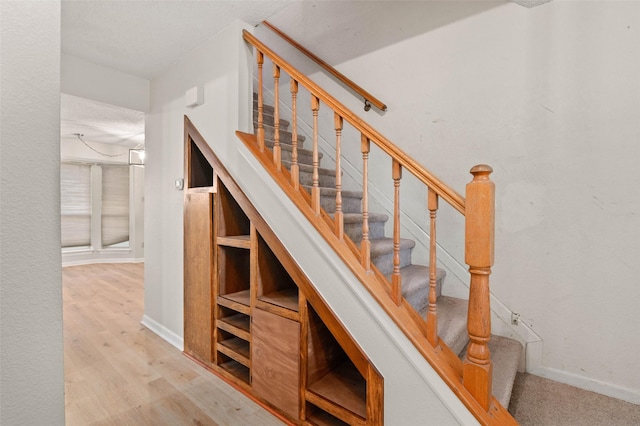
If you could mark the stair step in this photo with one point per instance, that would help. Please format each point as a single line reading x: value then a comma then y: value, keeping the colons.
x: 351, y: 200
x: 353, y: 225
x: 268, y: 119
x: 382, y: 254
x: 452, y: 322
x: 505, y: 356
x: 304, y: 155
x: 327, y: 177
x: 286, y: 136
x: 415, y: 286
x: 266, y: 108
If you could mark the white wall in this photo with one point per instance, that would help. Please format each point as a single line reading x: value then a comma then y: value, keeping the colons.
x: 96, y: 82
x: 549, y: 97
x: 31, y: 357
x: 218, y: 67
x: 413, y: 391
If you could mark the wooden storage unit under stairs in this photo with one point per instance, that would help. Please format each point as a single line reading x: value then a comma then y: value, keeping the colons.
x: 234, y: 238
x: 251, y: 315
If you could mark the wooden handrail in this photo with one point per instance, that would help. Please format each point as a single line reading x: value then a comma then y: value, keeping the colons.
x: 408, y: 163
x: 368, y: 97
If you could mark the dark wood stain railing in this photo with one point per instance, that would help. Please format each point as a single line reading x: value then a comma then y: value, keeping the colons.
x: 368, y: 97
x: 469, y: 379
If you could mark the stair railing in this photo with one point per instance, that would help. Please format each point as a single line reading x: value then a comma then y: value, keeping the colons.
x: 478, y: 210
x: 368, y: 98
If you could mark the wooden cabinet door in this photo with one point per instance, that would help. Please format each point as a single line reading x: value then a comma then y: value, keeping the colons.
x: 198, y: 265
x: 275, y: 360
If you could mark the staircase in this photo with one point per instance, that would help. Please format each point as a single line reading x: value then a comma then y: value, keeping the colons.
x: 452, y: 312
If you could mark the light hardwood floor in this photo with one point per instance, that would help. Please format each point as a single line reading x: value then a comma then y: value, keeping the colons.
x: 117, y: 372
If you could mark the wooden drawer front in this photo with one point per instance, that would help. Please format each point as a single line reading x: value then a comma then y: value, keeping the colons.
x: 275, y: 360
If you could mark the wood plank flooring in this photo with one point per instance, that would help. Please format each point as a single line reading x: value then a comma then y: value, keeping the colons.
x: 117, y: 372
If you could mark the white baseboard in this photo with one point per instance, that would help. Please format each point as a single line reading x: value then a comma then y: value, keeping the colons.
x: 92, y: 260
x: 163, y: 332
x: 587, y: 383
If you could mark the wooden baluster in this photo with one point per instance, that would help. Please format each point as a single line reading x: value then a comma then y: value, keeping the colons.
x: 295, y: 169
x: 479, y: 245
x: 365, y: 244
x: 315, y: 189
x: 396, y: 279
x: 338, y: 216
x: 432, y: 319
x: 276, y: 118
x: 260, y: 59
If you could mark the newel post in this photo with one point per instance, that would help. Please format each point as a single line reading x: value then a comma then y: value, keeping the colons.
x: 479, y: 237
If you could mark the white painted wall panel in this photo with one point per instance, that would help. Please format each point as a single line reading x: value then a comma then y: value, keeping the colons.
x: 31, y: 354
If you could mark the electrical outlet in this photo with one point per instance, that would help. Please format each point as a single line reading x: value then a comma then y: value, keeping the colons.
x: 515, y: 318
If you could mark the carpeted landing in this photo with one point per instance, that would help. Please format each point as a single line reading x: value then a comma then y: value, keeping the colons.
x: 541, y: 402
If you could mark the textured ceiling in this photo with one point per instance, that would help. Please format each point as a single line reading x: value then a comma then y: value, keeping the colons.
x: 143, y: 38
x: 99, y: 122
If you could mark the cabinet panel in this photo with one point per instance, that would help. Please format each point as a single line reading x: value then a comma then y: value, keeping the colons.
x: 275, y: 360
x: 198, y: 261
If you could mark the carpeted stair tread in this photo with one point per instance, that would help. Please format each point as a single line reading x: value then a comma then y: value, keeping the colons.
x: 505, y: 356
x: 286, y: 147
x: 452, y: 322
x: 324, y: 191
x: 415, y: 285
x: 353, y: 225
x: 357, y: 217
x: 268, y: 119
x: 416, y: 277
x: 266, y: 109
x: 351, y: 200
x: 326, y: 177
x: 382, y: 253
x: 286, y: 137
x: 309, y: 168
x: 385, y: 245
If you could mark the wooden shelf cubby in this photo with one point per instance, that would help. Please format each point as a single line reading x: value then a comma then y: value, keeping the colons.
x: 199, y: 170
x: 319, y: 417
x: 236, y: 370
x: 334, y: 385
x: 237, y: 349
x: 275, y: 285
x: 231, y: 220
x: 234, y: 272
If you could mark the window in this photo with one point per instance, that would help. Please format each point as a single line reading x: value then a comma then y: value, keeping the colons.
x: 75, y: 188
x: 94, y: 205
x: 115, y: 206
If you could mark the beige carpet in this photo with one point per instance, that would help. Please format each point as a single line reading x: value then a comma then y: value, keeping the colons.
x: 540, y: 402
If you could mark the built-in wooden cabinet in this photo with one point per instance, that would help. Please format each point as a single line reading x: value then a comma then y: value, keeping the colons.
x: 252, y: 316
x: 275, y: 358
x: 198, y: 251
